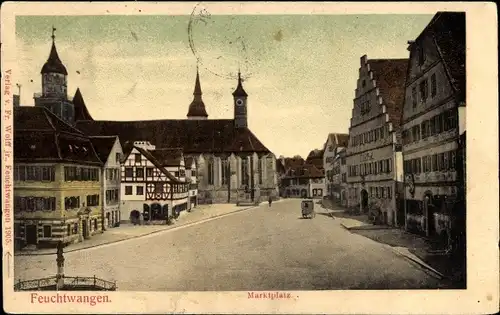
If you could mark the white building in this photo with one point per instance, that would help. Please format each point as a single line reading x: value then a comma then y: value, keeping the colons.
x: 433, y: 120
x: 149, y: 191
x: 110, y: 152
x: 372, y: 153
x: 334, y: 144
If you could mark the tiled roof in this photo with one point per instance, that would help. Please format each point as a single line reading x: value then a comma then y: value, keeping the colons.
x: 316, y: 153
x: 305, y: 171
x: 54, y: 63
x: 103, y: 146
x: 448, y: 30
x: 147, y: 154
x: 81, y: 111
x: 293, y: 162
x: 168, y: 157
x: 193, y: 136
x: 40, y: 136
x: 390, y: 78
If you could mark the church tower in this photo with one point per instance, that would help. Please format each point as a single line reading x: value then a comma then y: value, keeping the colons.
x: 240, y: 105
x: 197, y: 109
x: 54, y: 86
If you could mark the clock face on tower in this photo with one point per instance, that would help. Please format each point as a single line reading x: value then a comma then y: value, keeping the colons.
x: 239, y: 102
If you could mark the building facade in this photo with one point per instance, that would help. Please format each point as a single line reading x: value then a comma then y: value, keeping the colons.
x: 110, y: 153
x: 433, y: 120
x: 372, y: 154
x: 150, y: 193
x: 191, y: 177
x: 232, y: 165
x: 57, y: 182
x: 306, y: 181
x: 334, y: 144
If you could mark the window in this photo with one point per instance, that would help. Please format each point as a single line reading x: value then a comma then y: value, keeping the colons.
x: 434, y: 163
x: 117, y: 157
x: 68, y: 229
x: 139, y: 172
x: 225, y: 171
x: 159, y: 188
x: 452, y: 159
x: 176, y: 174
x: 433, y: 85
x: 423, y: 91
x: 389, y: 192
x: 383, y: 191
x: 439, y: 124
x: 149, y: 172
x: 260, y: 171
x: 111, y: 196
x: 182, y: 173
x: 420, y: 56
x: 244, y: 172
x: 377, y: 192
x: 71, y: 202
x: 75, y: 228
x: 452, y: 118
x: 137, y: 158
x: 363, y: 83
x: 92, y: 200
x: 389, y: 165
x: 95, y: 225
x: 129, y: 172
x: 193, y: 173
x: 441, y: 162
x: 128, y: 190
x: 414, y: 96
x: 210, y: 168
x: 425, y: 129
x: 47, y: 231
x: 73, y: 173
x: 139, y: 190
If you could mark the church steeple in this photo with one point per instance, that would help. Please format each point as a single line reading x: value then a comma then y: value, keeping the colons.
x: 239, y: 89
x: 54, y: 63
x: 197, y: 107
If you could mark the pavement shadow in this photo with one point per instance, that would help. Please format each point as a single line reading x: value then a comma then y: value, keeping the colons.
x: 302, y: 218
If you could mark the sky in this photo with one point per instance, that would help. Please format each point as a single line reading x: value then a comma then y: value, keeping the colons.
x: 299, y: 71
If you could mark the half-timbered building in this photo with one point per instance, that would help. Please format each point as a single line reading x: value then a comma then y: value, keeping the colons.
x: 150, y: 193
x: 57, y: 182
x: 304, y: 181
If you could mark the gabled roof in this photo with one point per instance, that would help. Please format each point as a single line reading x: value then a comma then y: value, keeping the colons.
x: 193, y: 136
x: 168, y: 157
x: 40, y: 136
x: 448, y: 31
x: 280, y: 168
x: 81, y: 111
x: 103, y: 146
x: 293, y: 162
x: 54, y: 63
x: 147, y: 154
x: 339, y: 139
x: 390, y: 79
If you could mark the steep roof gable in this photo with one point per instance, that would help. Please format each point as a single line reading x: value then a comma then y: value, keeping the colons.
x: 103, y: 146
x: 157, y: 164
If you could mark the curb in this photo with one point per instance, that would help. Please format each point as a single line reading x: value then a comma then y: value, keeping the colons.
x: 142, y: 235
x: 439, y: 275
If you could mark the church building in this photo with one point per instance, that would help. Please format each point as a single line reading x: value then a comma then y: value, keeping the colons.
x: 232, y: 164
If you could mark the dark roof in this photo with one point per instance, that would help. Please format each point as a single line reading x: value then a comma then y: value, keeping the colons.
x: 339, y: 139
x: 158, y: 165
x: 280, y: 168
x: 103, y: 146
x: 448, y: 31
x: 390, y: 78
x: 240, y: 91
x: 54, y: 63
x: 40, y: 136
x: 197, y: 106
x: 81, y: 112
x: 293, y: 162
x: 188, y: 161
x: 193, y: 136
x: 168, y: 157
x: 305, y: 171
x: 316, y: 153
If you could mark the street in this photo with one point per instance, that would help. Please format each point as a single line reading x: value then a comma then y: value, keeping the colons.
x: 258, y: 249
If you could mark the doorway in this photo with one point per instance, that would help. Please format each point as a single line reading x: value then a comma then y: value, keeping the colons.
x: 303, y: 193
x: 31, y: 234
x: 364, y: 201
x: 85, y: 229
x: 429, y: 210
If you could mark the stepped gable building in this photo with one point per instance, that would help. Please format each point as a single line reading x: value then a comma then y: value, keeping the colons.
x: 57, y: 195
x: 372, y: 154
x: 433, y: 123
x: 232, y: 164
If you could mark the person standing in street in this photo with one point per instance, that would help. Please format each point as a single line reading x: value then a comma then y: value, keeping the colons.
x: 270, y: 200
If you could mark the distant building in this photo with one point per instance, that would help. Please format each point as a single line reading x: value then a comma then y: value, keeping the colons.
x: 315, y: 157
x: 151, y: 193
x: 110, y: 152
x: 190, y: 166
x: 57, y: 182
x: 373, y: 154
x: 338, y: 178
x: 433, y: 121
x: 333, y: 145
x: 304, y: 181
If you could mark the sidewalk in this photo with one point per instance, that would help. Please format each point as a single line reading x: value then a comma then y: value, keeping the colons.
x: 413, y: 247
x: 128, y: 231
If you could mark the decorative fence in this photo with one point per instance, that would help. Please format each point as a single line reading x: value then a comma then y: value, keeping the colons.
x: 70, y: 283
